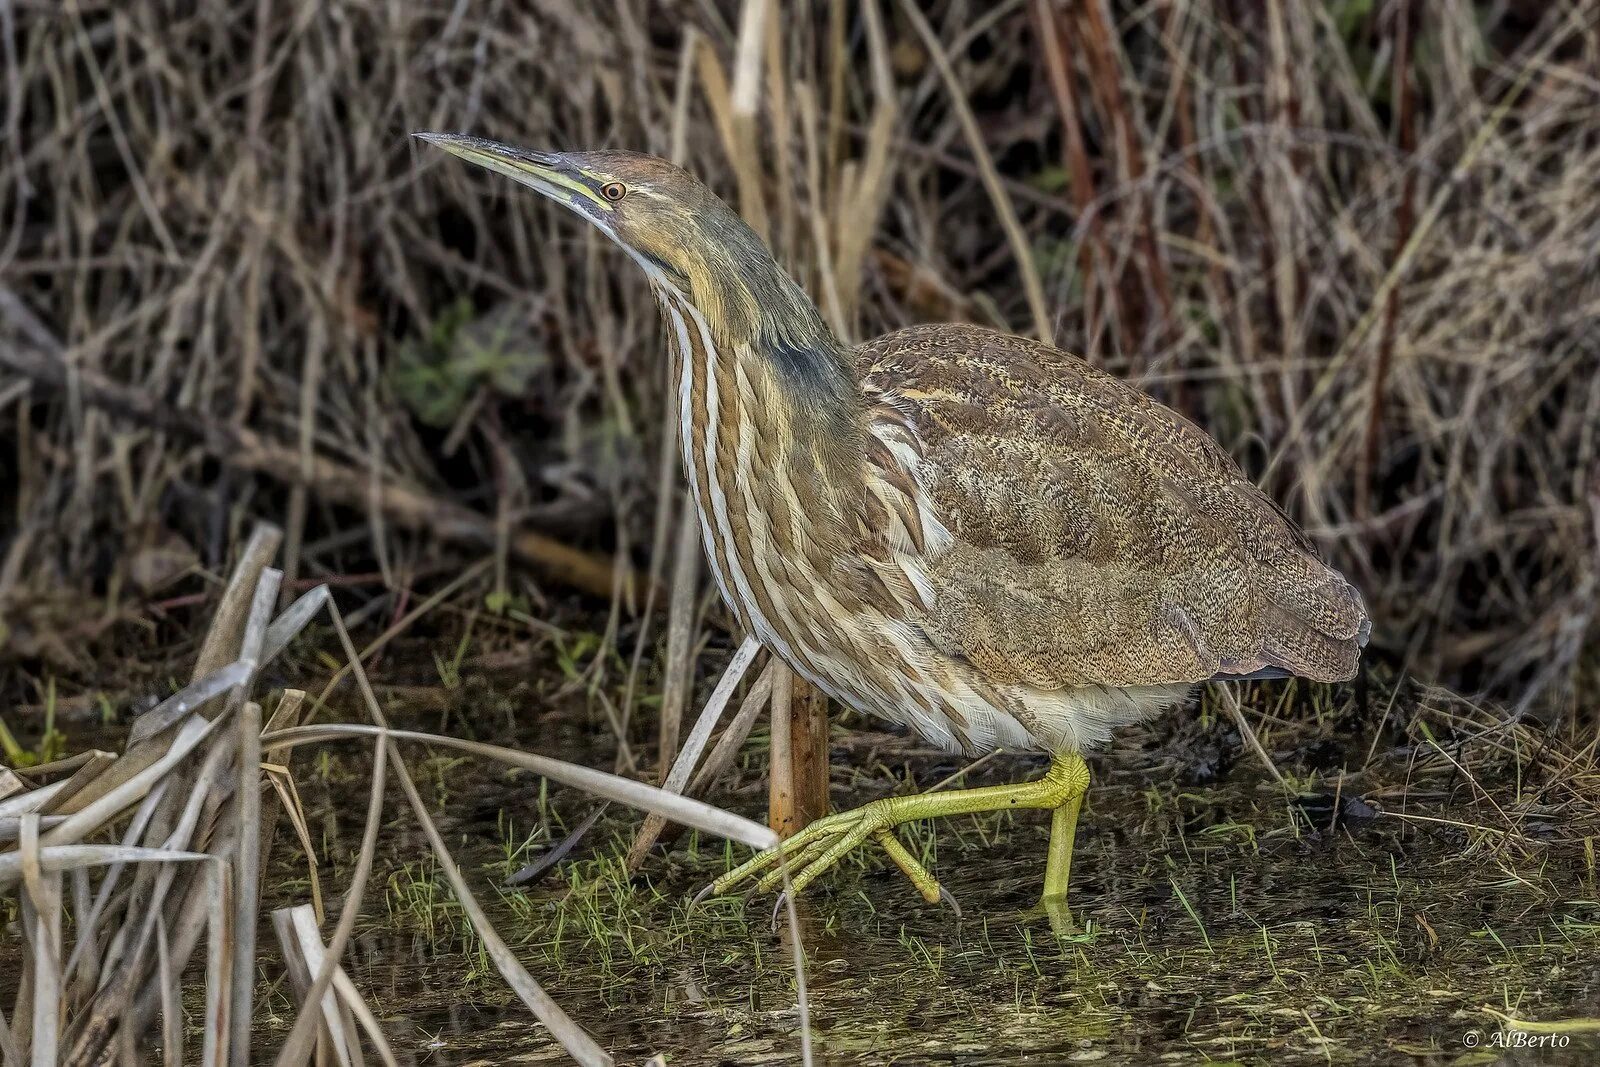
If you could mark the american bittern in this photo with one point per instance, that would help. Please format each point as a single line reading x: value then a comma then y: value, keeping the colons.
x: 969, y: 533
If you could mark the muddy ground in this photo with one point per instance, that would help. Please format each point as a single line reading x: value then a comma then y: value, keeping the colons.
x: 1424, y: 870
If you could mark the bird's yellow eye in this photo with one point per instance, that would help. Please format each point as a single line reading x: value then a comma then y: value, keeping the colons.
x: 613, y: 191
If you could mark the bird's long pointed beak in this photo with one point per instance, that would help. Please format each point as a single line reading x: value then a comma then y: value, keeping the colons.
x: 547, y: 172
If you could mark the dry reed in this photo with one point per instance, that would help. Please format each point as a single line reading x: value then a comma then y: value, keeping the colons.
x: 187, y: 793
x: 1357, y: 244
x: 1355, y: 241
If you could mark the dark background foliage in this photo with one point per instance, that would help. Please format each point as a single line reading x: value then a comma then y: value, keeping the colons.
x: 1355, y: 240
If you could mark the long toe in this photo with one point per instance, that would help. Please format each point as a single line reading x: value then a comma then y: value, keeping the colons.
x: 830, y: 857
x: 789, y: 866
x: 785, y: 853
x: 925, y: 883
x: 794, y: 863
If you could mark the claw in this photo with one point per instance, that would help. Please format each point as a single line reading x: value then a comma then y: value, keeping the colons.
x: 950, y: 898
x: 777, y: 906
x: 701, y: 896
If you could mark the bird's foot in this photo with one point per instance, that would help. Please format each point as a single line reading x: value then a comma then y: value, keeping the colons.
x: 815, y: 850
x: 819, y: 847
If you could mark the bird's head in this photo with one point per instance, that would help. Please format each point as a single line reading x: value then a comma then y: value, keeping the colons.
x: 683, y: 235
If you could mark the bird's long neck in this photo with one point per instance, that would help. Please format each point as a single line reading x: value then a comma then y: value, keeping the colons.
x: 770, y: 422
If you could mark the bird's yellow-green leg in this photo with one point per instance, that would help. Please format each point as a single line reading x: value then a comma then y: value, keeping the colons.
x: 815, y: 850
x: 1063, y: 831
x: 926, y: 883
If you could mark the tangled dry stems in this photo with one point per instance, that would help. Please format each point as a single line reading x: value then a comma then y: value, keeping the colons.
x: 1365, y: 263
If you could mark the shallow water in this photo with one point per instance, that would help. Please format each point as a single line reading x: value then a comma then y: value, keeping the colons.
x: 1213, y: 919
x: 1211, y: 924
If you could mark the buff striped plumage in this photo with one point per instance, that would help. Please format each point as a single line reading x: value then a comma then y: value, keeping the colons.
x: 718, y: 435
x: 774, y: 556
x: 968, y: 532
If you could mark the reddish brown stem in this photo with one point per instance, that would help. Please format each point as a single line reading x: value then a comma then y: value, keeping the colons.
x: 1107, y: 83
x: 798, y: 785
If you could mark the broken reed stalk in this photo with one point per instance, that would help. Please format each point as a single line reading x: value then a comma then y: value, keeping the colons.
x: 738, y: 731
x: 677, y: 776
x: 247, y: 878
x: 797, y: 788
x: 781, y: 763
x: 678, y: 671
x: 756, y: 700
x: 138, y: 940
x: 799, y: 796
x: 808, y: 775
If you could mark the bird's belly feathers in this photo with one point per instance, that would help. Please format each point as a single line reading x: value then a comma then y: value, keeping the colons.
x: 887, y: 667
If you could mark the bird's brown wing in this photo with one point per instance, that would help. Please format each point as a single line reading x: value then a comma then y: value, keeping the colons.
x: 1098, y: 538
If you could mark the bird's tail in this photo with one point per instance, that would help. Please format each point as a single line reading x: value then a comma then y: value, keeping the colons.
x: 1315, y: 623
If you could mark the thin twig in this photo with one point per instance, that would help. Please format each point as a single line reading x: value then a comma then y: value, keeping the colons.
x: 986, y: 170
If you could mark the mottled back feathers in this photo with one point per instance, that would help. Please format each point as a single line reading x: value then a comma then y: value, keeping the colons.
x: 1097, y: 537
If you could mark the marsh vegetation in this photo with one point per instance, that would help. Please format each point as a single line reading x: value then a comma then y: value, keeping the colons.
x: 1354, y: 239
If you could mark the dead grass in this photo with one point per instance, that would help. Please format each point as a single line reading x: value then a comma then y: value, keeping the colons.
x: 1390, y: 314
x: 186, y: 792
x: 1355, y: 241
